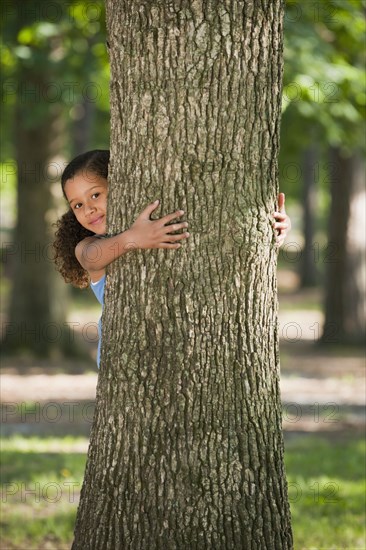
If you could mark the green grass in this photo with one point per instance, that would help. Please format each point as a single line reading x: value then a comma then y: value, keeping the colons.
x: 302, y: 305
x: 326, y: 489
x: 327, y: 493
x: 41, y: 481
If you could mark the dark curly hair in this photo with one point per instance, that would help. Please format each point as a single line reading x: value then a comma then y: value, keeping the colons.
x: 69, y: 231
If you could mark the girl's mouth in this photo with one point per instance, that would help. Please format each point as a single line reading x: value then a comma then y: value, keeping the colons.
x: 96, y: 221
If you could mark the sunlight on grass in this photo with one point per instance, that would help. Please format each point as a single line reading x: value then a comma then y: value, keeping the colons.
x: 65, y: 444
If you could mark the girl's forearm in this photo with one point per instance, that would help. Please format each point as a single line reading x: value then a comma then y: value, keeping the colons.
x: 99, y: 253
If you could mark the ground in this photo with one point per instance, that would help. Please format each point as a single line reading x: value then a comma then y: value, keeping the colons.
x: 47, y: 409
x: 322, y: 388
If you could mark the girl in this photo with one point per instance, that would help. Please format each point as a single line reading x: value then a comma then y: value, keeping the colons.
x: 81, y: 230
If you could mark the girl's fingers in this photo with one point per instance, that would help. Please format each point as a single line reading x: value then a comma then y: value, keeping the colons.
x: 177, y: 237
x: 172, y: 216
x: 146, y: 213
x: 282, y: 225
x: 175, y: 227
x: 281, y: 202
x: 173, y: 238
x: 280, y: 215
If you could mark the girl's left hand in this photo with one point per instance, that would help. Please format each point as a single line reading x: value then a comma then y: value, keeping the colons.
x: 282, y: 222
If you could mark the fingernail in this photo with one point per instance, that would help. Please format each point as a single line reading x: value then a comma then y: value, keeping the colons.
x: 157, y: 200
x: 181, y: 211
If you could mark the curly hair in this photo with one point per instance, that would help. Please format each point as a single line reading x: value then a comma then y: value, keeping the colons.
x: 69, y: 231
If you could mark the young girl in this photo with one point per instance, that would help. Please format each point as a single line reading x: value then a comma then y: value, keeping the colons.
x: 82, y: 252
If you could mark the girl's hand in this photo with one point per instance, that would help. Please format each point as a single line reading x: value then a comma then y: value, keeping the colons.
x: 282, y: 222
x: 146, y: 233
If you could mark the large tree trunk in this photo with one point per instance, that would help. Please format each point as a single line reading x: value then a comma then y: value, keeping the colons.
x: 345, y: 289
x: 186, y: 449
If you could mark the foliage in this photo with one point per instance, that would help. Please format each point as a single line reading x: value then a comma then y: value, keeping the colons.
x: 324, y: 86
x: 324, y: 79
x: 66, y: 42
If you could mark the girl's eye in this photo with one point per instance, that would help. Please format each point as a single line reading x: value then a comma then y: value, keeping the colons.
x: 95, y: 194
x: 77, y: 206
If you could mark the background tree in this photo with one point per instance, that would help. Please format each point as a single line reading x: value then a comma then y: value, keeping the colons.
x: 186, y: 448
x: 324, y: 107
x: 46, y: 84
x: 308, y: 264
x: 345, y: 317
x: 38, y: 131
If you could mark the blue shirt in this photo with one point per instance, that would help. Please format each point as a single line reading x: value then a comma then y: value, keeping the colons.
x: 98, y: 289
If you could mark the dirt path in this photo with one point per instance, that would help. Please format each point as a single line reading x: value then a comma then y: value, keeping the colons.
x: 321, y: 388
x: 321, y: 392
x: 64, y: 387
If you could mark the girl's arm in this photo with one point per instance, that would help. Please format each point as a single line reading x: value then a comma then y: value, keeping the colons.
x: 95, y: 254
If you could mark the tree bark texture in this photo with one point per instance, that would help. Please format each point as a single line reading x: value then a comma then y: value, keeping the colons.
x: 186, y: 448
x: 345, y: 257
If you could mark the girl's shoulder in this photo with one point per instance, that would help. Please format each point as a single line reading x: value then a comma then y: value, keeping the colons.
x: 87, y: 240
x: 80, y: 248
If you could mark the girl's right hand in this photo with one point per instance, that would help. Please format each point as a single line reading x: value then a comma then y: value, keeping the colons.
x: 146, y: 233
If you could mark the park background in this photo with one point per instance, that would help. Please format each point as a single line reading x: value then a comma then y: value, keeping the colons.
x: 55, y: 105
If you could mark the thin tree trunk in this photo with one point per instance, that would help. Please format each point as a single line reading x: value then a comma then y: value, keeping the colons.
x: 84, y: 114
x: 82, y: 126
x: 36, y: 323
x: 186, y: 449
x: 345, y: 289
x: 308, y: 266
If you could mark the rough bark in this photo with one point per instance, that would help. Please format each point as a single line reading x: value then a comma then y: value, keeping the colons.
x: 345, y: 255
x: 186, y: 449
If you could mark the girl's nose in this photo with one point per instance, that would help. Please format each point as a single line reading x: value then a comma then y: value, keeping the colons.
x: 89, y: 208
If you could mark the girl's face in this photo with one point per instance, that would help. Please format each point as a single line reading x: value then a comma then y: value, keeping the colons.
x: 87, y: 195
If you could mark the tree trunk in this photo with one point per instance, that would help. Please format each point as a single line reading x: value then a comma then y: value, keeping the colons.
x: 345, y: 289
x: 84, y: 113
x: 186, y: 449
x: 308, y: 266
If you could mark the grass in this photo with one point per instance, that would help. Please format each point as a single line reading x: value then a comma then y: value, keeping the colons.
x: 327, y: 493
x: 40, y: 491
